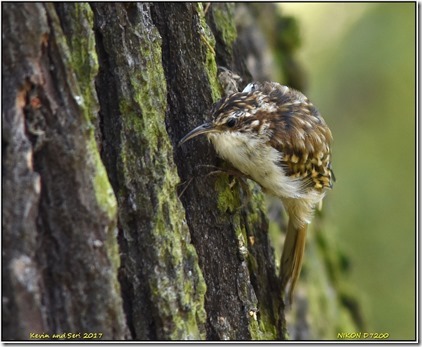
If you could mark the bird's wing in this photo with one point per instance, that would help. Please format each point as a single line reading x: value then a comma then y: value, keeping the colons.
x: 299, y: 132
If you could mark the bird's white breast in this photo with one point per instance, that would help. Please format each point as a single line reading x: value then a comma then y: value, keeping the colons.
x: 258, y: 160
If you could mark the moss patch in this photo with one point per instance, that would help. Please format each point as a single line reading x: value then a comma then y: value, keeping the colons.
x: 224, y: 20
x: 208, y: 41
x: 83, y: 57
x: 177, y: 287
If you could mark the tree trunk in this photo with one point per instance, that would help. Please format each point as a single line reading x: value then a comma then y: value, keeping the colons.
x: 59, y: 217
x: 109, y: 227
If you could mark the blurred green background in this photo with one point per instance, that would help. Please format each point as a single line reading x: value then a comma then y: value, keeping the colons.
x: 360, y: 62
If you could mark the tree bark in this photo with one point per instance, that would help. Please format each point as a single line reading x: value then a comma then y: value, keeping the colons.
x: 59, y: 217
x: 110, y: 227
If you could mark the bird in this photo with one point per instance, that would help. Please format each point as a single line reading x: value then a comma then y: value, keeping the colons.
x: 275, y: 136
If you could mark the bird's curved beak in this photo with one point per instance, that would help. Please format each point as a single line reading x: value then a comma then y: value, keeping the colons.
x: 202, y: 129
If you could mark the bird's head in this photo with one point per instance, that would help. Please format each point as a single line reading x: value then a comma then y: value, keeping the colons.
x: 238, y: 112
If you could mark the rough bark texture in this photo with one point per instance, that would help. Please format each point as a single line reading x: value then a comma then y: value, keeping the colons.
x: 163, y: 287
x: 108, y: 226
x: 60, y: 252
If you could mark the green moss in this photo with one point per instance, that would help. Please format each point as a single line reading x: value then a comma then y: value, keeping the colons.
x: 262, y: 329
x: 79, y: 56
x: 211, y: 69
x: 179, y: 295
x: 173, y: 288
x: 178, y: 250
x: 144, y: 108
x: 104, y: 194
x: 78, y: 52
x: 152, y: 99
x: 228, y: 199
x: 80, y: 75
x: 84, y: 58
x: 224, y: 21
x: 257, y: 204
x: 208, y: 41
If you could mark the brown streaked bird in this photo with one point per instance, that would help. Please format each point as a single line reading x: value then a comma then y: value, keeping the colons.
x: 275, y: 136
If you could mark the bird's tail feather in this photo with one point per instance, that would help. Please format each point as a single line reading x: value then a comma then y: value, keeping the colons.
x: 291, y: 259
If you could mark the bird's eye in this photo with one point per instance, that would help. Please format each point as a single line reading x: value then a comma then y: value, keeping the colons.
x: 231, y: 122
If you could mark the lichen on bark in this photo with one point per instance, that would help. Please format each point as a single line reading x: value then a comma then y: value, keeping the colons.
x: 160, y: 262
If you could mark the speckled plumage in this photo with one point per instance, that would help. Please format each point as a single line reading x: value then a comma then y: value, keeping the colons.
x: 275, y: 136
x: 287, y: 121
